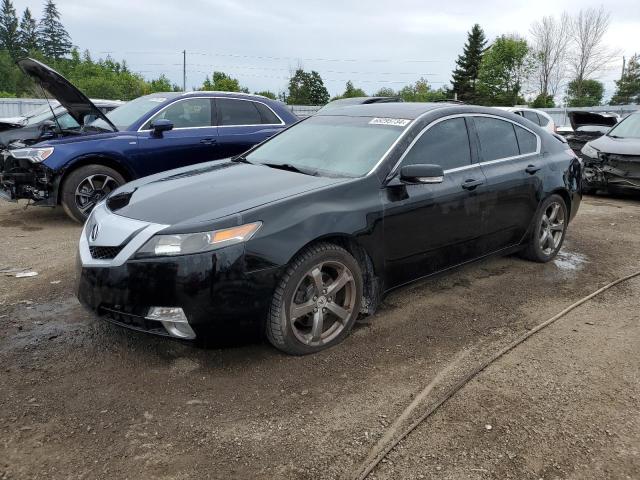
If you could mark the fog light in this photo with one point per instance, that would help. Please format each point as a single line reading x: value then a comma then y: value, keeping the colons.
x: 173, y: 320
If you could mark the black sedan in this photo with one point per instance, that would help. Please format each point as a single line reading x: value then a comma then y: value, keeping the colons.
x: 310, y: 229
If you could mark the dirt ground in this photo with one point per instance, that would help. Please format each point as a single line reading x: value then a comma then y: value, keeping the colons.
x: 81, y: 399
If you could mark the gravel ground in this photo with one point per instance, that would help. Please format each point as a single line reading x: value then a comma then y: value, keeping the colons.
x: 80, y: 398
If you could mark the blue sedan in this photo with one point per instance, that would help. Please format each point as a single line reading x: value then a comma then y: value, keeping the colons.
x: 151, y: 134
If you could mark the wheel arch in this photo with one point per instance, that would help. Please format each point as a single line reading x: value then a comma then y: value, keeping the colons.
x: 372, y: 285
x: 565, y: 196
x: 93, y: 159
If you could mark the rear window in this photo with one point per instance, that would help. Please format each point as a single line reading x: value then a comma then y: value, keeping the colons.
x: 544, y: 121
x: 531, y: 116
x: 497, y: 138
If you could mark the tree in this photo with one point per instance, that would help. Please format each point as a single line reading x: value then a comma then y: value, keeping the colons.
x: 385, y: 92
x: 350, y: 91
x: 9, y: 40
x: 588, y: 54
x: 221, y: 82
x: 467, y: 69
x: 421, y: 91
x: 307, y: 88
x: 587, y: 93
x: 548, y: 49
x: 53, y: 38
x: 267, y: 93
x: 504, y: 67
x: 628, y: 87
x: 28, y: 33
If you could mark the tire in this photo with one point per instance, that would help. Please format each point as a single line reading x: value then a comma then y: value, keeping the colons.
x: 325, y: 317
x: 550, y: 228
x: 78, y: 196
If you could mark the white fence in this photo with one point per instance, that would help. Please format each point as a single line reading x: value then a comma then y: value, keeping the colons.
x: 17, y: 107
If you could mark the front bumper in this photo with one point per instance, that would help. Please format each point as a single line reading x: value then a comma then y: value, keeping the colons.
x: 22, y: 179
x: 216, y: 290
x: 612, y: 171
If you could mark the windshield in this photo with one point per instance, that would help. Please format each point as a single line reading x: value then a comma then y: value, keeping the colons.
x: 332, y: 145
x: 627, y: 128
x: 129, y: 113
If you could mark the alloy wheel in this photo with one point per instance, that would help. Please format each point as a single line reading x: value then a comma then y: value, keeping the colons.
x: 322, y: 303
x: 552, y: 228
x: 93, y: 189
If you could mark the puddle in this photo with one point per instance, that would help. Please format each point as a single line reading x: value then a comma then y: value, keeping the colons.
x: 569, y: 261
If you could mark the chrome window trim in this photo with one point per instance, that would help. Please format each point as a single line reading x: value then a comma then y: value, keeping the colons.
x: 194, y: 97
x: 394, y: 170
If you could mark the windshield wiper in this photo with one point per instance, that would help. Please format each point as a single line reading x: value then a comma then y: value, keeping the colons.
x: 291, y: 168
x: 242, y: 159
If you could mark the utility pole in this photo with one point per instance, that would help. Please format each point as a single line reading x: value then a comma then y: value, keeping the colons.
x: 184, y: 70
x: 624, y: 65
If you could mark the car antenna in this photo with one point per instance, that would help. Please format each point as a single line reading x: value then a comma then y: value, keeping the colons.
x: 44, y: 92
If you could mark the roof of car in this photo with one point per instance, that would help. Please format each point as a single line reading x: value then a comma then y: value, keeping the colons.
x: 405, y: 110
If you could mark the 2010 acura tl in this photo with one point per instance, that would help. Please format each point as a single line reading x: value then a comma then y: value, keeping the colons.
x: 311, y: 228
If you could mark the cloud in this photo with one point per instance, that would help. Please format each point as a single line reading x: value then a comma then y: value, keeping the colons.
x: 375, y: 44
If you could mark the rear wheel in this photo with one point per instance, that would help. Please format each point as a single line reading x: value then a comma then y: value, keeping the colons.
x: 317, y: 301
x: 85, y: 187
x: 550, y: 228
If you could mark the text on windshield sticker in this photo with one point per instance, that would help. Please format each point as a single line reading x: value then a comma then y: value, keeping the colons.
x: 396, y: 122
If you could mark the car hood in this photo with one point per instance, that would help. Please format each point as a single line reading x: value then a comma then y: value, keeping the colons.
x: 12, y: 123
x: 206, y: 192
x: 617, y: 146
x: 77, y: 103
x: 583, y: 119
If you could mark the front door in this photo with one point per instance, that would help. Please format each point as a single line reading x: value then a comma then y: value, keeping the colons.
x: 193, y: 139
x: 431, y: 227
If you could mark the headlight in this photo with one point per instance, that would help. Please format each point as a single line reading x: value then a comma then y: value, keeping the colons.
x: 36, y: 155
x: 589, y: 151
x: 184, y: 244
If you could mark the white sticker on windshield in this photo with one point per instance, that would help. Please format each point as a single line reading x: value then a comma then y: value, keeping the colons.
x: 157, y: 99
x: 395, y: 122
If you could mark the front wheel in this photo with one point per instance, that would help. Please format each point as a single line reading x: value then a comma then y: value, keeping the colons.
x: 85, y: 187
x: 549, y: 231
x: 316, y: 302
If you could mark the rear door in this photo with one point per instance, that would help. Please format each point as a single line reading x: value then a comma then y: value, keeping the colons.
x: 243, y: 123
x: 430, y: 227
x: 512, y: 164
x: 192, y: 140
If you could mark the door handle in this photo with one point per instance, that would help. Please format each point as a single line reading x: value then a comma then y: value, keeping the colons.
x: 208, y: 141
x: 531, y: 169
x: 471, y: 184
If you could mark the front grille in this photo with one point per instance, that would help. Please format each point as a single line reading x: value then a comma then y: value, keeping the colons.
x: 105, y: 253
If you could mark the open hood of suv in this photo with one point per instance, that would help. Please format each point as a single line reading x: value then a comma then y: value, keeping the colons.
x: 583, y: 119
x: 77, y: 103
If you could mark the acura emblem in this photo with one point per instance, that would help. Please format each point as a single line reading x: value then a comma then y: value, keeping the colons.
x: 94, y: 232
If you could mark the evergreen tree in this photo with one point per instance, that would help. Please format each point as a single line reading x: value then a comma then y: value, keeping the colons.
x: 28, y: 33
x: 585, y: 93
x: 628, y: 87
x: 53, y: 38
x: 9, y: 40
x: 468, y: 65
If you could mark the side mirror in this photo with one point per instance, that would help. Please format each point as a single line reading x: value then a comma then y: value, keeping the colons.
x: 422, y: 173
x: 160, y: 126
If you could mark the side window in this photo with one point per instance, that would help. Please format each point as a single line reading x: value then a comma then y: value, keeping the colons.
x: 190, y: 113
x: 497, y: 138
x: 532, y: 116
x: 526, y: 140
x: 266, y: 114
x: 237, y: 112
x: 544, y: 121
x: 445, y: 144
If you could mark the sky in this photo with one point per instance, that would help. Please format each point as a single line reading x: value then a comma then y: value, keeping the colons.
x: 374, y: 43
